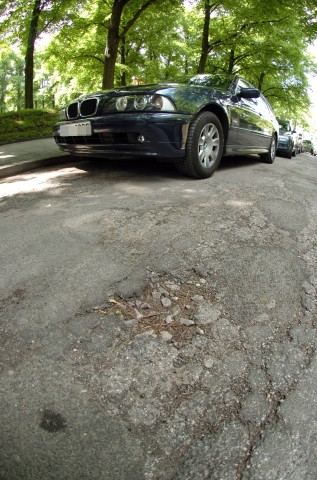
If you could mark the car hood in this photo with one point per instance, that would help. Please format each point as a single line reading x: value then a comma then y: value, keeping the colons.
x: 188, y: 99
x: 167, y: 88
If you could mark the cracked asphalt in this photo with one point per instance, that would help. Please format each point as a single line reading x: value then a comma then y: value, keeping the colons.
x: 155, y: 327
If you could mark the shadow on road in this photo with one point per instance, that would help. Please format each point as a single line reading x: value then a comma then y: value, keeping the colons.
x: 149, y: 167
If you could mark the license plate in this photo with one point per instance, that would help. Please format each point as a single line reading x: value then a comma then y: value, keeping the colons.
x: 80, y: 129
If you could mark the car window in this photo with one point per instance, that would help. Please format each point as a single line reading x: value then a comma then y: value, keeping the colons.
x: 244, y: 84
x: 263, y: 108
x: 267, y: 103
x: 284, y: 124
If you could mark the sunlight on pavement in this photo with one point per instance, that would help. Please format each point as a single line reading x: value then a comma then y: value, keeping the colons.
x: 2, y: 156
x: 36, y: 182
x: 238, y: 203
x: 136, y: 189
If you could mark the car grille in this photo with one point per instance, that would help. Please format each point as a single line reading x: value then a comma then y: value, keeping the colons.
x: 86, y: 108
x: 96, y: 139
x: 72, y: 110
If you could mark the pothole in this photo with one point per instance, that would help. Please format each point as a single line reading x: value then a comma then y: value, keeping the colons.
x: 167, y: 307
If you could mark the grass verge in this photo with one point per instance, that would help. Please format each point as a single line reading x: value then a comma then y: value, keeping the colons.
x: 26, y: 125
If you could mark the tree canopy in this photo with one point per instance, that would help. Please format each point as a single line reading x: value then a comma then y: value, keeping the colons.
x: 51, y: 51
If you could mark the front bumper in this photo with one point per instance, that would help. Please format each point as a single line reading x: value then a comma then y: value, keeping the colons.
x: 158, y: 135
x: 283, y: 148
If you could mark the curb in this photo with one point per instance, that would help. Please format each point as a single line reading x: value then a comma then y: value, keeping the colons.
x: 24, y: 140
x: 20, y: 167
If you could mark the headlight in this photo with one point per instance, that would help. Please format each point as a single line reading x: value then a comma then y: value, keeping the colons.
x: 157, y: 101
x: 121, y: 103
x: 149, y: 103
x: 62, y: 114
x: 140, y: 102
x: 162, y: 103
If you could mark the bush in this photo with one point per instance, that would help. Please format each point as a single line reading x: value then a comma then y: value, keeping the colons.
x: 26, y: 125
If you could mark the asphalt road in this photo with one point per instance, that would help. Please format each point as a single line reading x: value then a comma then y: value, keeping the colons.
x: 157, y: 327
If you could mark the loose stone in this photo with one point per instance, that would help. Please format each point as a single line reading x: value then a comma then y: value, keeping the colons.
x: 138, y: 314
x: 175, y: 311
x: 186, y: 321
x: 209, y: 362
x: 197, y: 298
x: 163, y: 291
x: 166, y: 302
x: 206, y: 313
x: 145, y: 306
x: 200, y: 331
x: 173, y: 287
x: 166, y: 336
x: 169, y: 319
x: 156, y: 295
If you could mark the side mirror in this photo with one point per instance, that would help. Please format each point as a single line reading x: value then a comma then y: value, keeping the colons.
x: 249, y: 93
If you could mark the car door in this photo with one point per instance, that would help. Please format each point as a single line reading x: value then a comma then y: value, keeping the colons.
x: 268, y: 123
x: 252, y: 127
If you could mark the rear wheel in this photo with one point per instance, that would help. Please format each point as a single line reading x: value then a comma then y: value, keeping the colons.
x: 204, y: 147
x: 269, y: 157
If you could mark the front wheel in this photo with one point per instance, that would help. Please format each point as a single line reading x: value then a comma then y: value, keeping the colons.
x: 269, y: 157
x: 204, y: 147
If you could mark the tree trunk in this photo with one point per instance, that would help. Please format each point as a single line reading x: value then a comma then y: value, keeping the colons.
x: 204, y: 41
x: 123, y: 62
x: 261, y: 80
x: 112, y: 45
x: 114, y: 38
x: 231, y: 62
x: 29, y: 56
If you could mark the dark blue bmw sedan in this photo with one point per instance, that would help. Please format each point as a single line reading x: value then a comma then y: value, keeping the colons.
x: 193, y: 124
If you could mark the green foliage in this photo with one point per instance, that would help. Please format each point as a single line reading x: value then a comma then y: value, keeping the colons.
x: 11, y: 80
x: 26, y: 124
x: 155, y: 48
x: 264, y: 41
x: 150, y: 51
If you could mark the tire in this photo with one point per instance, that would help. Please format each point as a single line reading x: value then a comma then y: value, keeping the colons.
x: 204, y: 147
x: 269, y: 157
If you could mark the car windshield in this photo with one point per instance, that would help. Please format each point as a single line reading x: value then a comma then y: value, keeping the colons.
x: 284, y: 124
x: 221, y: 82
